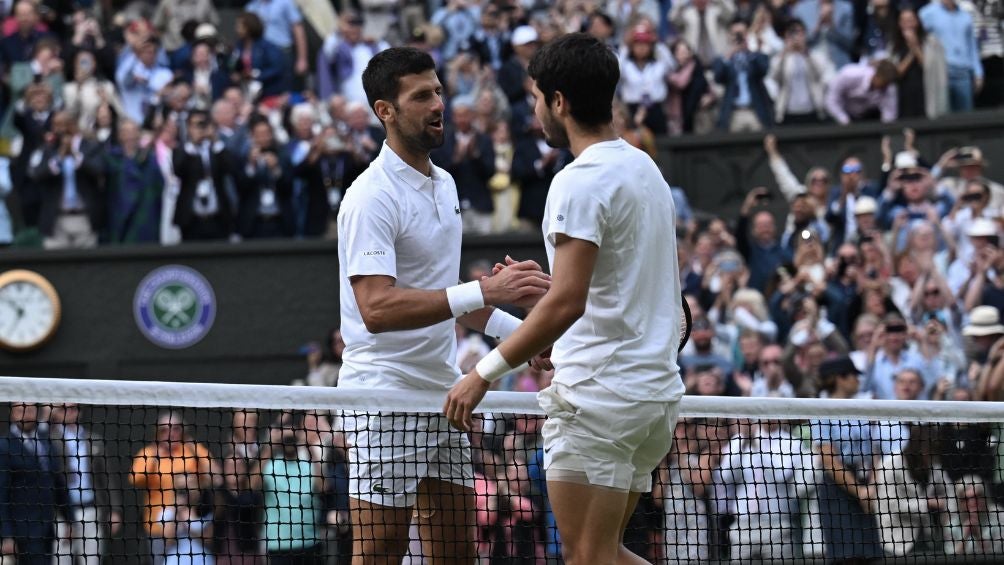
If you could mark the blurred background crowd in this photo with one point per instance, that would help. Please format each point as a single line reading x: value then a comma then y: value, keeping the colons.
x: 161, y: 122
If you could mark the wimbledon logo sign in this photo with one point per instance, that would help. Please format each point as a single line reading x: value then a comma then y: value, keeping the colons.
x: 174, y: 307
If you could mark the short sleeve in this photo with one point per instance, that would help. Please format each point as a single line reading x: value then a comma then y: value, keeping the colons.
x: 369, y: 228
x: 293, y: 13
x: 579, y: 212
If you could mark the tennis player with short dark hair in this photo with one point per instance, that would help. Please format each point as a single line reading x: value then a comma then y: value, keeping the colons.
x: 399, y: 233
x: 613, y: 311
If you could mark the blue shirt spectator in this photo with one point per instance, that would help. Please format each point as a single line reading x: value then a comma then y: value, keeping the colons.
x: 279, y: 17
x: 954, y: 29
x: 829, y: 23
x: 760, y: 246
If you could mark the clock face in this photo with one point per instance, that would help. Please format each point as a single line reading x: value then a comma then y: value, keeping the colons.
x: 29, y: 311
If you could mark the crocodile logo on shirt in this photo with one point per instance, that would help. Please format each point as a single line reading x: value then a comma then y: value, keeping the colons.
x: 380, y: 489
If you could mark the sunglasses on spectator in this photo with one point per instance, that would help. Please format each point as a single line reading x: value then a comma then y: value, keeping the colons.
x: 911, y: 177
x: 200, y: 124
x: 819, y: 179
x: 850, y: 169
x: 932, y: 292
x: 972, y: 197
x: 895, y: 329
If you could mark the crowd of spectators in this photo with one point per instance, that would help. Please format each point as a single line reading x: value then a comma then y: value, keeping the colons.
x: 160, y: 122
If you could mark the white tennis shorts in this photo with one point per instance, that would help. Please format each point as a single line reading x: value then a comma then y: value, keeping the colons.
x: 390, y: 453
x: 615, y: 442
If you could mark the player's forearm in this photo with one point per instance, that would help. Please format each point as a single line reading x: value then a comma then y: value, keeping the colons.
x: 398, y: 309
x: 476, y: 320
x: 300, y: 41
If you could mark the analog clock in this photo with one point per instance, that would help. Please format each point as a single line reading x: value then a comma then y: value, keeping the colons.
x: 29, y: 310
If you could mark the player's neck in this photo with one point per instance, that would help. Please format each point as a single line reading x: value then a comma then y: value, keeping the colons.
x: 415, y: 158
x: 580, y: 139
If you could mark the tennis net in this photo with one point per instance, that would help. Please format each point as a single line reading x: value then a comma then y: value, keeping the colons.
x: 145, y: 472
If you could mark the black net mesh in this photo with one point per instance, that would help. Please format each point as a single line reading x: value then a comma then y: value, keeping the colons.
x: 91, y: 483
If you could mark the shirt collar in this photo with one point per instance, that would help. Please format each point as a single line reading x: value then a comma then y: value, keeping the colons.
x: 403, y: 170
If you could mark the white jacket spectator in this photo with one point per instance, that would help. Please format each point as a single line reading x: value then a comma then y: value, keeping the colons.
x: 769, y: 474
x: 904, y: 502
x: 704, y: 25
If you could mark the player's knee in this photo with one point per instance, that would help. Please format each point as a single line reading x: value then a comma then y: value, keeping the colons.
x: 587, y: 552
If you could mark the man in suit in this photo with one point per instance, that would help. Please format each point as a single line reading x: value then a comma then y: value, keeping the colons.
x: 469, y: 156
x: 67, y: 172
x: 18, y: 46
x: 263, y: 186
x: 321, y: 167
x: 94, y: 500
x: 204, y: 167
x: 31, y: 489
x: 746, y: 104
x: 534, y: 164
x: 364, y: 139
x: 843, y: 199
x: 33, y: 118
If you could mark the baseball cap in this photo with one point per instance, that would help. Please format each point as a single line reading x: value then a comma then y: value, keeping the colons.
x: 205, y: 31
x: 905, y: 160
x: 523, y: 35
x: 865, y: 205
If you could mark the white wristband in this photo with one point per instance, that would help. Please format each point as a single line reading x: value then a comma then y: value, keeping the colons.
x: 501, y: 324
x: 493, y: 367
x: 465, y: 298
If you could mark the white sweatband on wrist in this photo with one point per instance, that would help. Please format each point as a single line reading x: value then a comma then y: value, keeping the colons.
x: 493, y: 367
x: 501, y: 324
x: 465, y: 298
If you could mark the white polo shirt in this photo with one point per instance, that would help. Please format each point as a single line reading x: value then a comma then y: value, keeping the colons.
x: 614, y: 195
x: 397, y: 222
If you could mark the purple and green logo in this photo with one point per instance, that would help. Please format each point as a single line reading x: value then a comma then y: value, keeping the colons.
x: 174, y: 306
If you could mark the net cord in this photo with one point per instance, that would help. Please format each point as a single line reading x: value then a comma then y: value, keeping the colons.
x: 274, y: 397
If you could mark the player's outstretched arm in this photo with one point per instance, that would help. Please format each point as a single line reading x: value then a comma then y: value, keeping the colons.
x: 386, y: 307
x: 564, y: 303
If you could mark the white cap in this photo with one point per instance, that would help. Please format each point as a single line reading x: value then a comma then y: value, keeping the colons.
x: 865, y: 205
x: 905, y: 160
x: 982, y: 227
x: 204, y: 31
x: 523, y: 35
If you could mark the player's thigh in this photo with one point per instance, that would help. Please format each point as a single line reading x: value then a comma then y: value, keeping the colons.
x: 589, y: 520
x: 444, y: 511
x: 380, y: 533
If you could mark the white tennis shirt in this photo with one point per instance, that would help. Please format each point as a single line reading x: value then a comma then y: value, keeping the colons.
x: 614, y: 196
x: 397, y: 222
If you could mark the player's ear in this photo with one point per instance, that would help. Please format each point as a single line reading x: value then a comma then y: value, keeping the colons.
x: 560, y: 104
x: 384, y: 110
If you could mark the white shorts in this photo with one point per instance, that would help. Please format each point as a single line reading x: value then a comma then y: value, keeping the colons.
x: 615, y: 442
x: 390, y: 453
